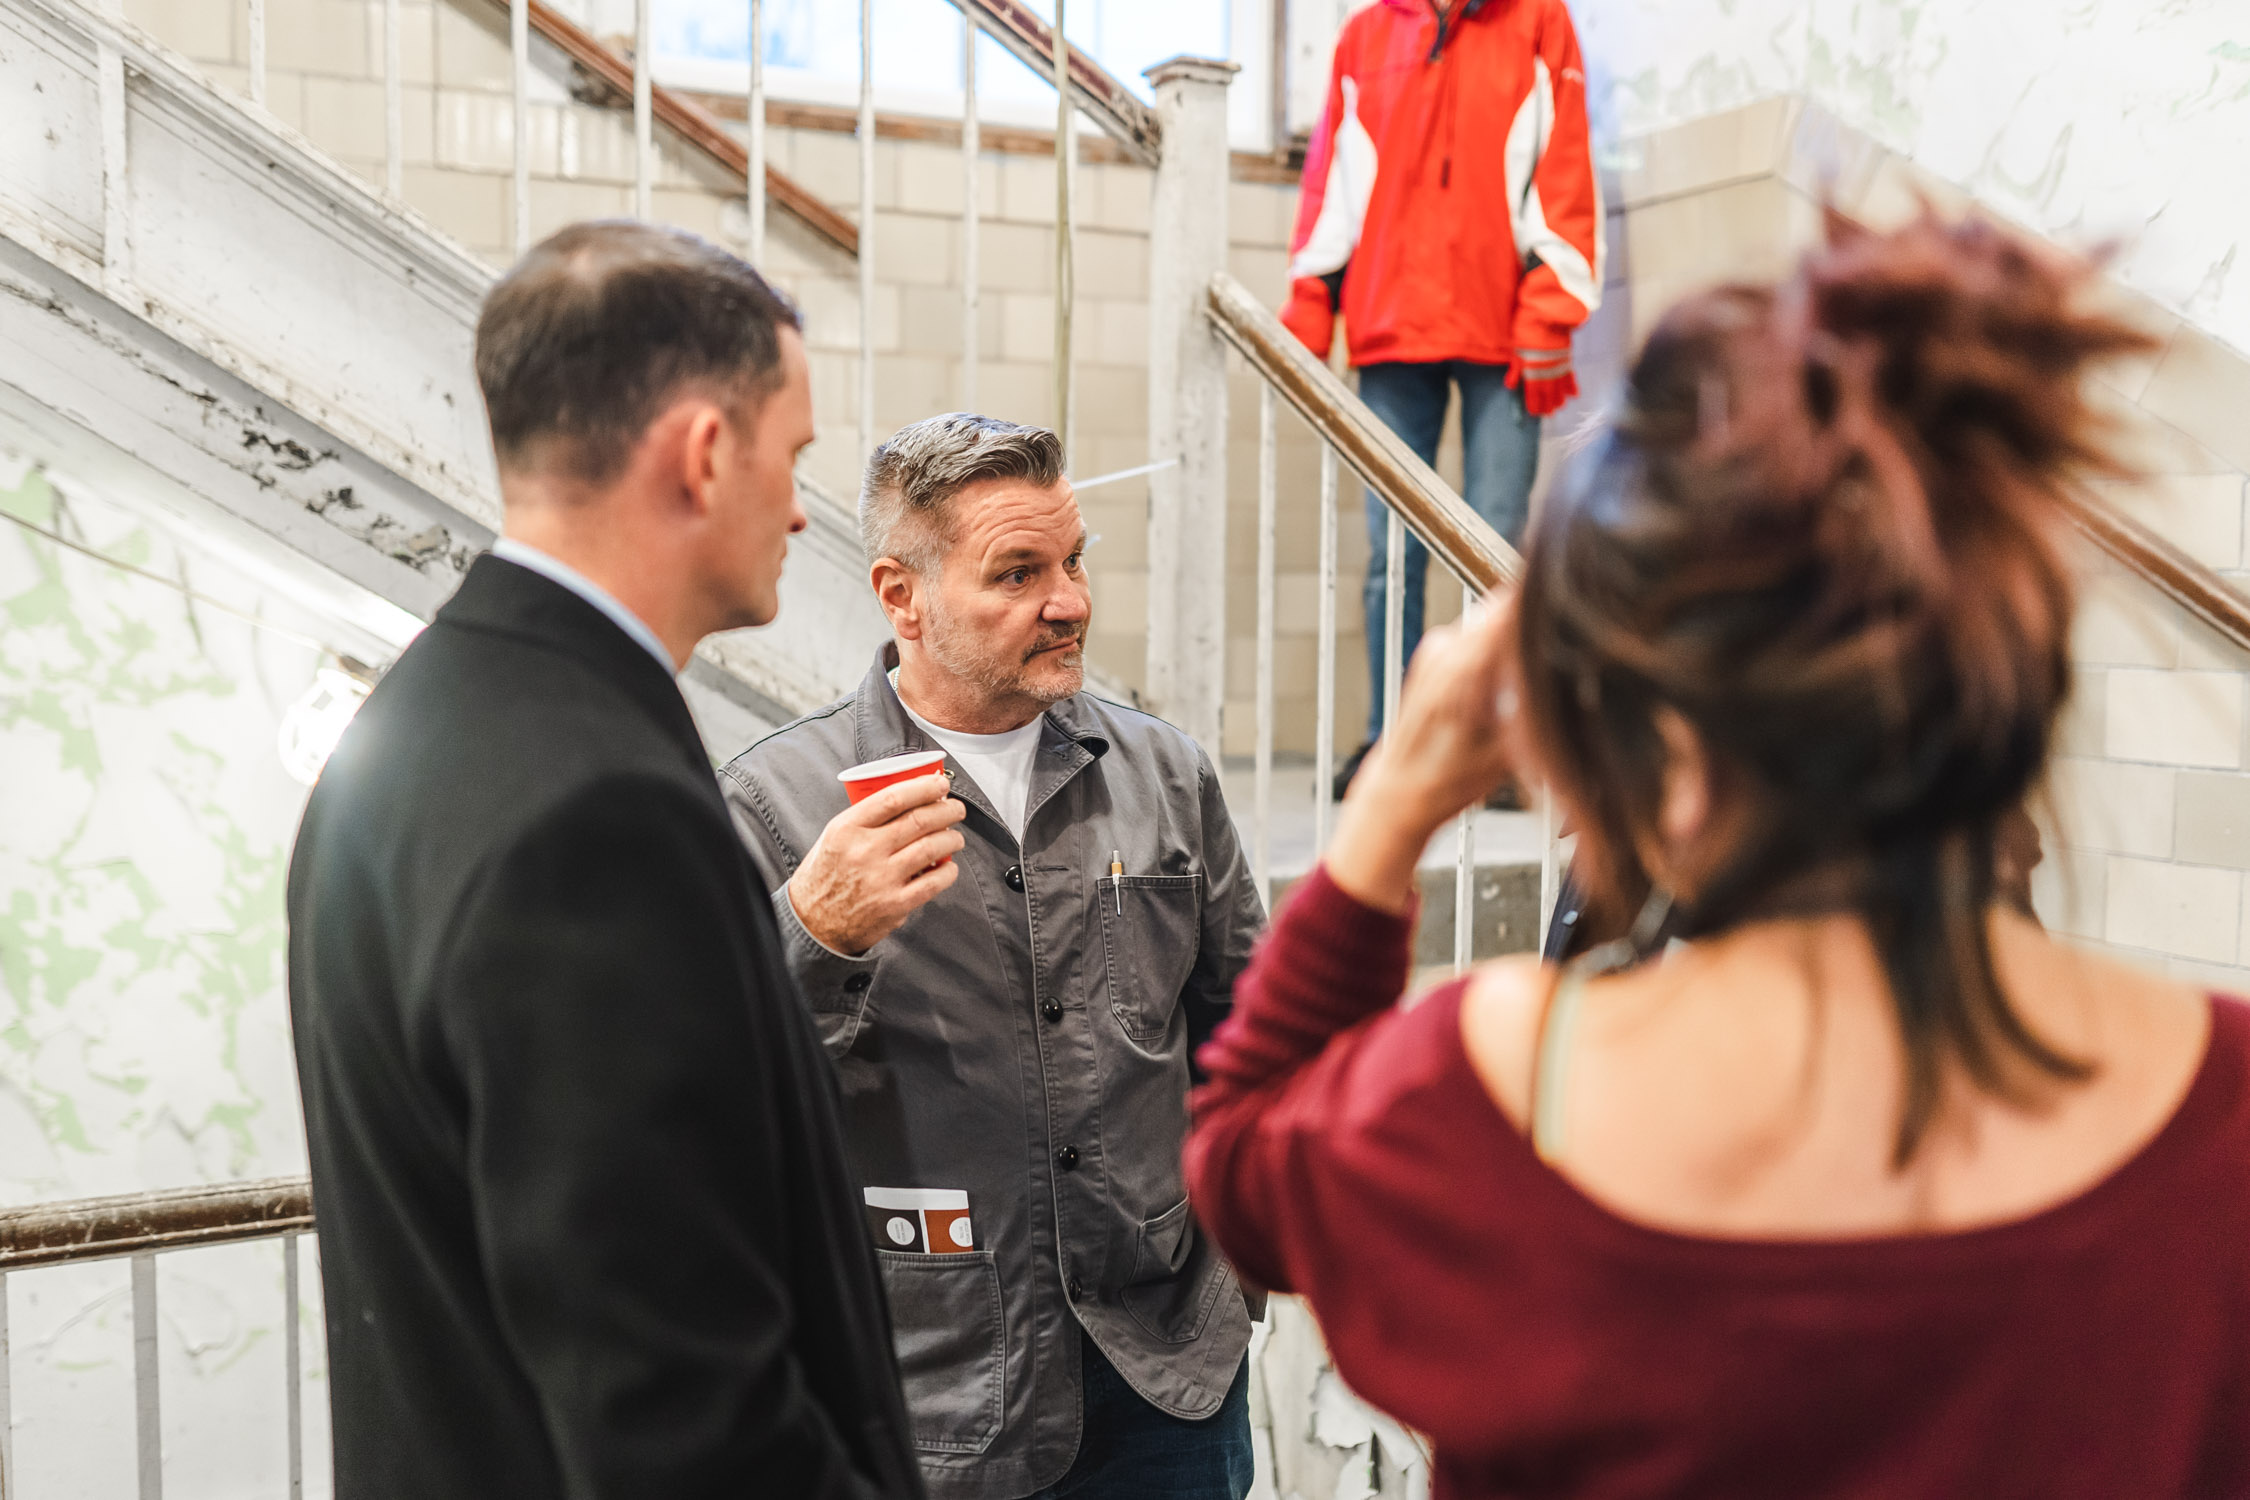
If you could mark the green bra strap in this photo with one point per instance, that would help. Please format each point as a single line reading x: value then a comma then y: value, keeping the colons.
x: 1557, y: 1036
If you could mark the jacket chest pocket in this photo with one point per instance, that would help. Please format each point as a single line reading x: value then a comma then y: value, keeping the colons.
x: 1152, y: 926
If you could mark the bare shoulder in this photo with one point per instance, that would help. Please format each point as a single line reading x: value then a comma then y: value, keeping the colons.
x: 1500, y: 1017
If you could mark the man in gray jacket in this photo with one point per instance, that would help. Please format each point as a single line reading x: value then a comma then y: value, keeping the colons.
x: 1012, y: 1002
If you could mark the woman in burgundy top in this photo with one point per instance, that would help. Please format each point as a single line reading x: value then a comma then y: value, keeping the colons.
x: 1866, y: 1187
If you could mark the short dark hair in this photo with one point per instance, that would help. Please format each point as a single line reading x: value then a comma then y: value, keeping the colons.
x: 906, y: 497
x: 583, y: 342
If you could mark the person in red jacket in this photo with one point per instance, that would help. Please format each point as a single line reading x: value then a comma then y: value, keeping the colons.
x: 1450, y: 213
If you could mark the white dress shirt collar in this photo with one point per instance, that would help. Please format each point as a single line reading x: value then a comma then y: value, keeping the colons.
x: 524, y: 555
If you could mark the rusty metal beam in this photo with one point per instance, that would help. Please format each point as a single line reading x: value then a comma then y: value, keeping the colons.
x: 47, y: 1234
x: 692, y: 124
x: 1015, y: 26
x: 1457, y: 535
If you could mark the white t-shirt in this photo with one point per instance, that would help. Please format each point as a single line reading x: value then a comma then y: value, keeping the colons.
x: 1000, y: 764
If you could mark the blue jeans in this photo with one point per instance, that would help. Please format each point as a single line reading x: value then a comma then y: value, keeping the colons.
x: 1500, y: 453
x: 1127, y: 1448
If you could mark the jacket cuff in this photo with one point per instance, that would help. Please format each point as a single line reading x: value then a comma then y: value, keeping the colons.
x: 830, y: 980
x: 1350, y: 947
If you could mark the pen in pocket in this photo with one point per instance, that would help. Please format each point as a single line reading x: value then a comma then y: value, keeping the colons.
x: 1117, y: 880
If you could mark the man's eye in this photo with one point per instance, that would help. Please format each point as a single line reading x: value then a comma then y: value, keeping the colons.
x: 1073, y: 562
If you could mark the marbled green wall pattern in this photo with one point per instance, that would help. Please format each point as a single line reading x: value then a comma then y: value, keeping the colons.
x: 145, y: 825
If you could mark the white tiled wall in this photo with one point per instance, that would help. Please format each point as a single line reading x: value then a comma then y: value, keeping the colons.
x: 2147, y: 816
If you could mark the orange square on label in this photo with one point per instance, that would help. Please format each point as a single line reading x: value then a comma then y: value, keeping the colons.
x: 950, y: 1232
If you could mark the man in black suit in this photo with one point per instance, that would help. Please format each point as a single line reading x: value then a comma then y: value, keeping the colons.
x: 586, y: 1224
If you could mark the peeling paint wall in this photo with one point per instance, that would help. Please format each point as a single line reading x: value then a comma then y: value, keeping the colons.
x: 145, y: 826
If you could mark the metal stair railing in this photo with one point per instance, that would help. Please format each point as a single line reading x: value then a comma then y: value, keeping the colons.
x: 142, y: 1226
x: 1418, y: 501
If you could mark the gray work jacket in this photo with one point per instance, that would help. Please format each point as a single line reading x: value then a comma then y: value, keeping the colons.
x: 1025, y: 1037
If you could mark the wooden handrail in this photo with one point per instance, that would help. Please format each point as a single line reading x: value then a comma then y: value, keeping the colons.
x: 48, y: 1234
x: 1459, y: 537
x: 693, y: 125
x: 1113, y: 106
x: 1455, y: 534
x: 2193, y: 586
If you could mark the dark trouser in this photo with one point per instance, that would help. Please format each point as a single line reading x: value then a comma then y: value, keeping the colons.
x: 1500, y: 456
x: 1127, y: 1447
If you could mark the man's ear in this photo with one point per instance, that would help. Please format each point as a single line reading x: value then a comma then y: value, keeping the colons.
x: 701, y: 437
x: 897, y: 590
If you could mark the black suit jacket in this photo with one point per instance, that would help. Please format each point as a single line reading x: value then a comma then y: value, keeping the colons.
x: 586, y: 1226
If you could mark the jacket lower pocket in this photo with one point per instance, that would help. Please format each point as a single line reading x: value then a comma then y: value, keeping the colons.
x: 952, y: 1346
x: 1176, y: 1278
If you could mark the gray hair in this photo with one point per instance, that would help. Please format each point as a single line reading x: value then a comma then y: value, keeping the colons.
x: 912, y: 479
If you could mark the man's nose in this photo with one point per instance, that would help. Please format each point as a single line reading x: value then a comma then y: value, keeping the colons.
x: 1067, y: 604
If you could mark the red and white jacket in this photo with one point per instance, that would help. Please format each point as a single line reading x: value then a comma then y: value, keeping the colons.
x: 1449, y: 207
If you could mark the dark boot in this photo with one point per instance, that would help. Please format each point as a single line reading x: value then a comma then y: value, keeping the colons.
x: 1347, y: 771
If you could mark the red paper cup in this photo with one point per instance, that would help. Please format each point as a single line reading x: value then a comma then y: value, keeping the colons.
x: 864, y: 781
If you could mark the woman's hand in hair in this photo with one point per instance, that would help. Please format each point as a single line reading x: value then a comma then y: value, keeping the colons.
x: 1445, y: 750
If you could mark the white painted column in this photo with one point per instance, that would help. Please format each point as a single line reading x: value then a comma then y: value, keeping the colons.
x: 756, y: 119
x: 644, y: 110
x: 1187, y: 403
x: 972, y: 143
x: 866, y: 229
x: 519, y: 45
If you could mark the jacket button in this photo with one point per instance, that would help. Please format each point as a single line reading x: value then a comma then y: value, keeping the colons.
x: 1076, y: 1288
x: 1051, y: 1009
x: 1014, y: 876
x: 858, y: 983
x: 1067, y: 1158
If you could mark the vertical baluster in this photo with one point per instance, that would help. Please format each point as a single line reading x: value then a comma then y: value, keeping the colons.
x: 7, y: 1404
x: 756, y: 105
x: 519, y: 44
x: 866, y: 228
x: 148, y: 1411
x: 971, y: 144
x: 293, y: 1364
x: 117, y: 239
x: 1394, y: 614
x: 1324, y: 679
x: 1261, y: 836
x: 1465, y: 892
x: 258, y: 52
x: 644, y: 110
x: 1550, y: 864
x: 1066, y: 152
x: 394, y: 106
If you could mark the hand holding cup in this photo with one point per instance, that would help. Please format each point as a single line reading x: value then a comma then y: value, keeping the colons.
x: 881, y: 859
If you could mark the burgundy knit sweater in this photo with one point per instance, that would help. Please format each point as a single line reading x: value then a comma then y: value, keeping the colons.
x: 1345, y: 1150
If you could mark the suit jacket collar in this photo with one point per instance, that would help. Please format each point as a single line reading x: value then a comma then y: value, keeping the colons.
x: 501, y: 598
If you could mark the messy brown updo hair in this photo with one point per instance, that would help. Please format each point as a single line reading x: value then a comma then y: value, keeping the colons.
x: 1825, y: 529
